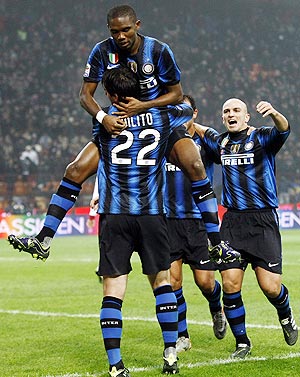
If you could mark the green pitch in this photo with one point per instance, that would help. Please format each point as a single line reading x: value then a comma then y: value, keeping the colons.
x: 49, y: 319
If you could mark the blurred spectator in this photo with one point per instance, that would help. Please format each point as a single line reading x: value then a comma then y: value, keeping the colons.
x: 248, y: 50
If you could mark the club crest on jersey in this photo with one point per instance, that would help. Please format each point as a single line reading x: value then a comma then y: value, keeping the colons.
x: 132, y: 66
x: 148, y: 68
x: 249, y: 146
x: 113, y: 58
x: 235, y: 148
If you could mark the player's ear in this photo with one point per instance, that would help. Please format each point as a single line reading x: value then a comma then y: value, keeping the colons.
x: 247, y: 118
x: 137, y: 24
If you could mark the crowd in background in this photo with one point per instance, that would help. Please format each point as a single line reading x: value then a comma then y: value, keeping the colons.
x: 250, y: 50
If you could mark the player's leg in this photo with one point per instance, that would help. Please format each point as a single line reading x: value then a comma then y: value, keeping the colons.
x: 183, y: 342
x: 111, y: 322
x: 197, y: 257
x: 154, y: 252
x: 235, y: 311
x: 183, y: 152
x: 278, y: 295
x: 167, y: 316
x: 211, y: 290
x: 268, y: 270
x: 84, y: 166
x: 115, y: 253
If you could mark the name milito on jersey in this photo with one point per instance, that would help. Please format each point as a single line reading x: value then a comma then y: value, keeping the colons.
x: 141, y: 120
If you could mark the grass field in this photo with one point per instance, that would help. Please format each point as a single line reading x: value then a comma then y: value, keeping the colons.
x: 50, y: 322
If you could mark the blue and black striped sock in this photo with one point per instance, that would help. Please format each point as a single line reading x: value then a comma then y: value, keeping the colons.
x: 235, y: 313
x: 206, y: 201
x: 111, y: 326
x: 59, y: 205
x: 281, y: 303
x: 182, y: 310
x: 167, y: 314
x: 214, y: 298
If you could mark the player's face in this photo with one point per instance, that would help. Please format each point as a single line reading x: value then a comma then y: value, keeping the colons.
x: 235, y: 116
x: 124, y: 31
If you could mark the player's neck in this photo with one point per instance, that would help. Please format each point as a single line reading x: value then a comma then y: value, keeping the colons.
x: 136, y: 46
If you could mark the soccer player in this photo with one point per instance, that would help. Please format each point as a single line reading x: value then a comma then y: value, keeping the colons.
x: 247, y: 156
x: 131, y: 183
x: 159, y: 78
x: 188, y: 241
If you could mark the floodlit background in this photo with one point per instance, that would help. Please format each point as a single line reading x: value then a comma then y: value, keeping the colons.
x: 245, y: 48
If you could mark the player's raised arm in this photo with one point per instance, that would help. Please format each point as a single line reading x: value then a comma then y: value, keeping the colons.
x: 280, y: 121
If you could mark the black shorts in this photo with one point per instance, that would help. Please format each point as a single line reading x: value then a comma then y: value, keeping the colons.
x: 121, y: 235
x: 188, y: 241
x: 255, y: 234
x: 179, y: 133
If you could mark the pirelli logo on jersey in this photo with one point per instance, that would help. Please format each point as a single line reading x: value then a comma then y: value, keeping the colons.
x: 237, y: 159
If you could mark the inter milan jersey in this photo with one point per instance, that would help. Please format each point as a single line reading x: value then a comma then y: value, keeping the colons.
x: 154, y: 64
x: 131, y: 174
x: 248, y: 166
x: 179, y: 201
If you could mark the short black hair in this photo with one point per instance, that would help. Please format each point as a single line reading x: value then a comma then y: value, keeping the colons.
x: 121, y: 11
x: 122, y: 82
x: 191, y: 101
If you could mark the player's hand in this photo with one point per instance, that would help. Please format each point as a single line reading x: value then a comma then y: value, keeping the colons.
x: 113, y: 124
x: 131, y: 107
x: 94, y: 203
x: 265, y: 108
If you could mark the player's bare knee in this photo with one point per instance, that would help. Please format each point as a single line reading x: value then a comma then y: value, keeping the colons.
x: 73, y: 171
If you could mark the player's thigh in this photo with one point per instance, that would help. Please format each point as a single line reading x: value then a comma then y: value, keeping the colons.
x: 186, y: 155
x: 85, y: 164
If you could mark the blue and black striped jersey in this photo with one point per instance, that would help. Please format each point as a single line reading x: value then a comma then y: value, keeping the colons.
x: 154, y: 64
x: 248, y: 166
x: 179, y: 201
x: 131, y: 175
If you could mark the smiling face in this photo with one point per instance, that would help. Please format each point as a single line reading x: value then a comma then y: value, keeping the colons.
x: 124, y: 31
x: 235, y: 115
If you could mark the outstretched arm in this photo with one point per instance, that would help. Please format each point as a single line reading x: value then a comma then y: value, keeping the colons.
x: 280, y: 121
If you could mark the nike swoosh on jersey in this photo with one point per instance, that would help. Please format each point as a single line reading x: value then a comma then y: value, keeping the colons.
x: 204, y: 261
x: 272, y: 264
x: 203, y: 196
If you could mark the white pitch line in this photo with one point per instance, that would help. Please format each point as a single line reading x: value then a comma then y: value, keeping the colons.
x: 142, y: 319
x: 210, y: 363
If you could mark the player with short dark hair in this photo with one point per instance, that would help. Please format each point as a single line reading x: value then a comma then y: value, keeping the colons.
x: 159, y: 79
x: 131, y: 186
x: 247, y: 156
x: 188, y: 241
